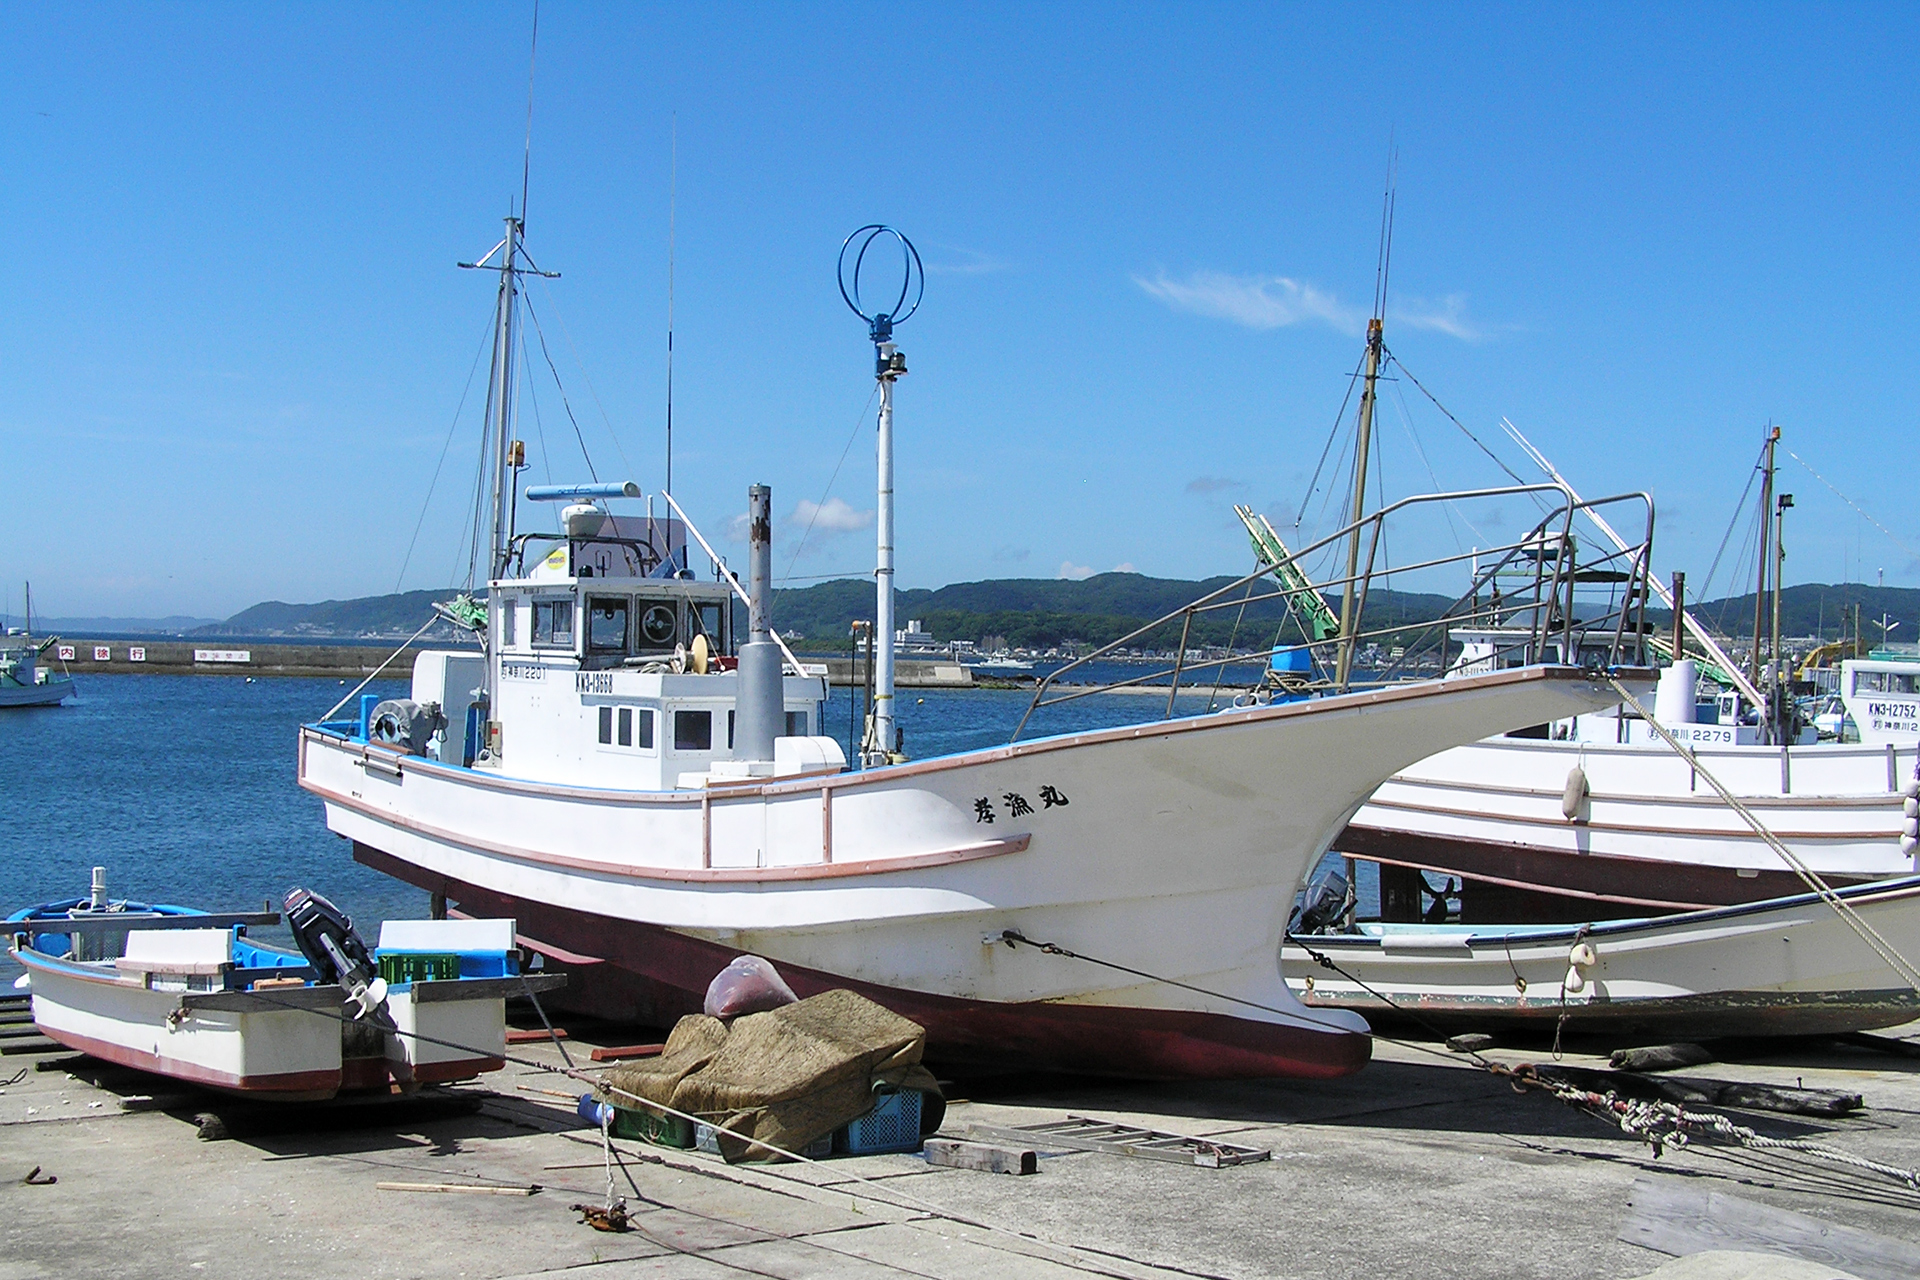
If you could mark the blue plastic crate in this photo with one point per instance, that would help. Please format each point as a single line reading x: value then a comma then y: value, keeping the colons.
x: 892, y: 1125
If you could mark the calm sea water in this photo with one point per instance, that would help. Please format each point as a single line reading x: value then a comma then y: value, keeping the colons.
x: 183, y: 787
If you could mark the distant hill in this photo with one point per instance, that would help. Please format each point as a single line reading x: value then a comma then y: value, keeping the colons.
x: 172, y: 625
x: 370, y: 617
x: 1044, y: 612
x: 1818, y: 608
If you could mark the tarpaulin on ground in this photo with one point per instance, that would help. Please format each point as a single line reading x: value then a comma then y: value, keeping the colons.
x: 787, y: 1076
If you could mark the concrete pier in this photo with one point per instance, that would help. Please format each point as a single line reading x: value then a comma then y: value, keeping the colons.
x: 1419, y: 1166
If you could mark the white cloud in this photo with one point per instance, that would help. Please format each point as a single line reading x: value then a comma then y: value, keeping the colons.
x: 1074, y: 572
x: 1125, y: 566
x: 831, y: 516
x: 1446, y: 316
x: 1277, y: 302
x: 737, y: 528
x: 964, y: 262
x: 1258, y: 302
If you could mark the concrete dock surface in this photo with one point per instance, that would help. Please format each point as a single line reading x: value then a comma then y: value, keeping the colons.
x: 1420, y: 1165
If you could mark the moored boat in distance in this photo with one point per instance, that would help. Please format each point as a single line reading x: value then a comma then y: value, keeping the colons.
x: 23, y: 681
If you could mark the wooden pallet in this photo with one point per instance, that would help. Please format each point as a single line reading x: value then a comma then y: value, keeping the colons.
x: 1083, y: 1133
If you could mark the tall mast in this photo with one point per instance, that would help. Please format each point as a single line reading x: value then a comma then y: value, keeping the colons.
x: 1363, y: 434
x: 1766, y: 546
x: 1363, y: 439
x: 513, y: 264
x: 501, y: 410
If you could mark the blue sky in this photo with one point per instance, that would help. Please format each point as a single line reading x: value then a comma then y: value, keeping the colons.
x: 234, y: 338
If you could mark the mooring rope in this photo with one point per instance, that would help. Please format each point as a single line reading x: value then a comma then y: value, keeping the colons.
x: 382, y: 667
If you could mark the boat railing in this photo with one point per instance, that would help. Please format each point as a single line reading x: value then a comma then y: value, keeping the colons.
x: 1534, y: 588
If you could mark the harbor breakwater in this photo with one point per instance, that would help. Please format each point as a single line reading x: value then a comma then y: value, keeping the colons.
x: 136, y: 656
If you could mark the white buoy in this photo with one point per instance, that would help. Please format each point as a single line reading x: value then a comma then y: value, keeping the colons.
x: 1573, y: 801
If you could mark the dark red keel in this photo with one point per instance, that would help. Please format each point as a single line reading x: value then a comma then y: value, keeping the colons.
x: 642, y: 973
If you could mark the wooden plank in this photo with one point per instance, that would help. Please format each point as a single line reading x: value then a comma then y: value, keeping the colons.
x: 624, y: 1052
x: 1681, y: 1220
x: 954, y: 1154
x: 534, y: 1035
x: 487, y: 988
x: 458, y: 1188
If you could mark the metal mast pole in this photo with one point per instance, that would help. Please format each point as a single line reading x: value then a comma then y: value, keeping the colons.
x: 503, y: 400
x: 1766, y: 547
x: 881, y: 742
x: 1349, y: 622
x: 1777, y: 661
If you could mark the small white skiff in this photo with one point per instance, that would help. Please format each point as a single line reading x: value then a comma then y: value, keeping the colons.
x: 187, y: 994
x: 1789, y: 966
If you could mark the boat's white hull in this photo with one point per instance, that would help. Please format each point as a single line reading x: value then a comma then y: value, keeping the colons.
x: 252, y: 1047
x: 1787, y: 967
x: 1651, y: 831
x: 1168, y: 848
x: 51, y: 693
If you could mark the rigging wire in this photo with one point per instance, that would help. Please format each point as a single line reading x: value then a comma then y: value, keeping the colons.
x: 1396, y: 363
x: 1856, y: 506
x: 451, y: 428
x: 1333, y: 432
x: 539, y: 428
x: 801, y: 545
x: 1733, y: 520
x: 560, y: 317
x: 561, y: 387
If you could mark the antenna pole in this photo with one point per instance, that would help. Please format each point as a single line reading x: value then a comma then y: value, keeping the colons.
x: 882, y: 745
x: 1766, y: 545
x: 673, y: 200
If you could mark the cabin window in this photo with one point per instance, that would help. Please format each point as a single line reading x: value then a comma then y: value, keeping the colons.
x: 704, y: 620
x: 659, y: 625
x: 606, y: 725
x: 553, y: 623
x: 730, y: 730
x: 796, y: 724
x: 1882, y: 682
x: 607, y: 624
x: 626, y: 726
x: 643, y: 729
x: 507, y: 611
x: 693, y: 731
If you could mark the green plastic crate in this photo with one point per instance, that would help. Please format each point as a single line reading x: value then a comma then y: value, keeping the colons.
x: 661, y: 1130
x: 419, y: 967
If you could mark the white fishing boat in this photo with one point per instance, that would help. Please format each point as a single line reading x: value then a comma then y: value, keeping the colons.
x: 23, y: 681
x: 1602, y: 814
x: 1788, y: 966
x: 188, y: 994
x: 648, y: 792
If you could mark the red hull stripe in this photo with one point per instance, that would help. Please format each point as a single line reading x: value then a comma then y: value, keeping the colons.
x: 654, y: 975
x: 286, y: 1085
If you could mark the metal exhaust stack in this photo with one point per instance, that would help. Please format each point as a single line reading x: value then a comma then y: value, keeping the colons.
x: 759, y: 699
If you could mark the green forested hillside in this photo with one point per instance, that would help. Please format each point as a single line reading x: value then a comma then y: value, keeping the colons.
x: 1041, y: 612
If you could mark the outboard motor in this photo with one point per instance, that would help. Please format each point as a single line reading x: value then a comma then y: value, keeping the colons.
x: 1323, y: 903
x: 327, y: 939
